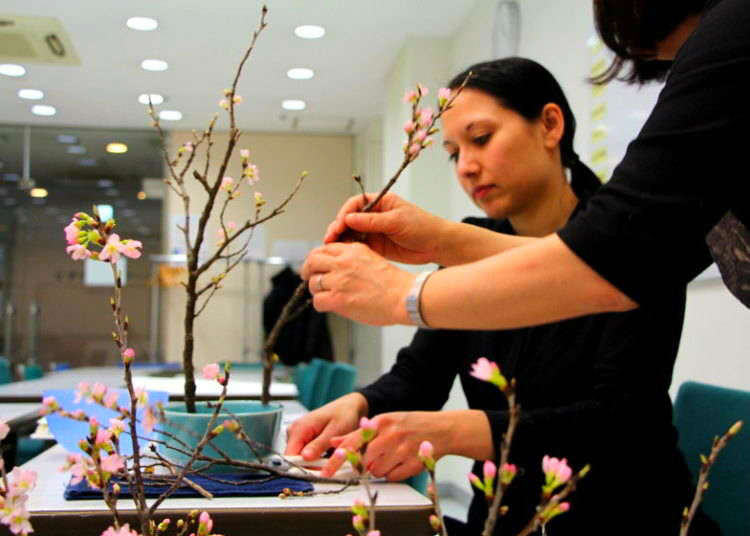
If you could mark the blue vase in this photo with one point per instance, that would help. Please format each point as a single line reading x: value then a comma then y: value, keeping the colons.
x: 261, y: 423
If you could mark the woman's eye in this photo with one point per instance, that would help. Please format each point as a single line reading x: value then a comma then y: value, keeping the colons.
x: 453, y: 157
x: 481, y: 140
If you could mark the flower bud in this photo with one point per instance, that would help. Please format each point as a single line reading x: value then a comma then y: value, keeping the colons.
x: 435, y: 523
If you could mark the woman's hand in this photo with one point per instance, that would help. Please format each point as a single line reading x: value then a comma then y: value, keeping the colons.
x: 396, y: 229
x: 393, y: 452
x: 311, y: 435
x: 354, y: 281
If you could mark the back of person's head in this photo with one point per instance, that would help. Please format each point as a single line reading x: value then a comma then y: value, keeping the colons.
x: 525, y: 87
x: 632, y: 29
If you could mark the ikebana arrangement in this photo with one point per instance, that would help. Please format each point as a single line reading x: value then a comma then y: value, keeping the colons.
x: 149, y: 462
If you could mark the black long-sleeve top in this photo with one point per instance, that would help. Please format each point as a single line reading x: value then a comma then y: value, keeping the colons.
x: 592, y: 389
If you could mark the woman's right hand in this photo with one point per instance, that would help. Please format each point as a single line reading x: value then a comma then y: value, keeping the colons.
x: 311, y: 434
x: 396, y: 229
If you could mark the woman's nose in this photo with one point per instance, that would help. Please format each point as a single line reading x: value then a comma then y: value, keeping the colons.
x: 467, y: 165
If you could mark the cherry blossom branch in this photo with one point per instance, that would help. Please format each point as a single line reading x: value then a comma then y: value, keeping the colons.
x: 706, y: 464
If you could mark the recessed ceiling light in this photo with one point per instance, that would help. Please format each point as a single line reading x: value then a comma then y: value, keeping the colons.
x: 76, y: 149
x: 293, y: 104
x: 38, y: 192
x: 43, y: 109
x: 170, y: 115
x: 141, y: 195
x: 11, y: 69
x: 300, y: 73
x: 155, y: 98
x: 154, y: 65
x: 145, y: 24
x: 66, y: 138
x: 309, y: 31
x: 30, y: 94
x: 87, y: 162
x: 117, y: 147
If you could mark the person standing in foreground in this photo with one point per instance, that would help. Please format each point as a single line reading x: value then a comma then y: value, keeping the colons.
x: 644, y: 231
x: 593, y: 389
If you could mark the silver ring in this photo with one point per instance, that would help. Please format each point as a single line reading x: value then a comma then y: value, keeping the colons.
x: 320, y: 283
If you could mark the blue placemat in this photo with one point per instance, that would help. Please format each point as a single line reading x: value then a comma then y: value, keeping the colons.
x: 257, y: 485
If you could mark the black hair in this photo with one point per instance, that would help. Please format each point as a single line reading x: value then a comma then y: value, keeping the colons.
x: 524, y: 86
x: 632, y: 29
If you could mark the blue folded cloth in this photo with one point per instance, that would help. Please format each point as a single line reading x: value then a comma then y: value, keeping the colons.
x: 256, y: 485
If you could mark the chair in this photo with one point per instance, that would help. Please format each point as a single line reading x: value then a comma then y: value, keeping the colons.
x: 322, y: 383
x: 343, y: 379
x: 701, y: 412
x: 304, y: 379
x: 32, y: 371
x: 6, y: 375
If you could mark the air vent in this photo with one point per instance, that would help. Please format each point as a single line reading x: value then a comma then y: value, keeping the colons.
x: 35, y: 40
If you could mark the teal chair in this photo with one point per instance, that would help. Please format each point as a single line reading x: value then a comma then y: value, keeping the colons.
x: 343, y: 379
x: 701, y: 412
x: 304, y: 378
x: 322, y: 383
x: 32, y: 371
x: 6, y: 375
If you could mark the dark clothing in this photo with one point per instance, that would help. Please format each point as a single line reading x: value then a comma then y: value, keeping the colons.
x: 304, y: 337
x: 592, y: 389
x: 645, y: 230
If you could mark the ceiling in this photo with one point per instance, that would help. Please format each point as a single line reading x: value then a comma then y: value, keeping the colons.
x: 95, y: 95
x: 203, y: 43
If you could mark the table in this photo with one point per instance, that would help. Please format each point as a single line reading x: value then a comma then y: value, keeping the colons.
x: 402, y: 510
x: 242, y: 385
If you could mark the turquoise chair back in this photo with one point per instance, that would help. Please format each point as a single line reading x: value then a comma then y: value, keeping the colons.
x: 322, y: 383
x: 701, y: 412
x: 305, y: 377
x: 32, y: 371
x: 343, y: 379
x: 5, y: 371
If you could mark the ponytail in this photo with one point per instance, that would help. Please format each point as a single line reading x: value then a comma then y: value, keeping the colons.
x: 583, y: 180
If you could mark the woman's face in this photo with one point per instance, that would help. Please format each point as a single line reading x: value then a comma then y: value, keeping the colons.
x: 503, y: 161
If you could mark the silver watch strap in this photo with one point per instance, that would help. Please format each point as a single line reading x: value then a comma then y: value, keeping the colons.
x: 413, y: 300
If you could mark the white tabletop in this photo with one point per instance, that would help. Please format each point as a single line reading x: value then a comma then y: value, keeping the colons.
x: 242, y: 383
x: 20, y: 411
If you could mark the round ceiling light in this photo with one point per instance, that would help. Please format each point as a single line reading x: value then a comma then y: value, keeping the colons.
x: 309, y: 31
x: 144, y: 24
x: 154, y: 65
x: 43, y: 109
x: 155, y: 98
x: 117, y: 147
x: 38, y: 192
x: 170, y: 115
x: 11, y: 69
x: 293, y: 104
x: 30, y: 94
x: 300, y: 73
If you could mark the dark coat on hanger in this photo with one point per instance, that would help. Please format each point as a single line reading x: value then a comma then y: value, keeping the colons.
x: 306, y: 336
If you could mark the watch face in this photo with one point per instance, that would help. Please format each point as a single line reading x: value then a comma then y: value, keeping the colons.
x: 506, y: 29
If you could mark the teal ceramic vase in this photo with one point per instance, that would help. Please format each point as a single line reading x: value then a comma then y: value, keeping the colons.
x: 261, y: 423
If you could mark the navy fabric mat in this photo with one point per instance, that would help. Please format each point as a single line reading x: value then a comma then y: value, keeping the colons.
x: 274, y: 486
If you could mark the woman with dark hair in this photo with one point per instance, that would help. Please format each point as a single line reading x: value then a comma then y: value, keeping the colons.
x: 679, y: 198
x: 593, y: 389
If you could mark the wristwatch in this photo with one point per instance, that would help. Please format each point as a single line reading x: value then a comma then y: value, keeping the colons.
x: 413, y: 300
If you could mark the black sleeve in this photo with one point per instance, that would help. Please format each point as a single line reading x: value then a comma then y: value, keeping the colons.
x: 421, y: 378
x: 645, y: 229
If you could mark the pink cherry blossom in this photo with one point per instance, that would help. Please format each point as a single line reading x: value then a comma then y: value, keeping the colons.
x: 475, y: 481
x: 102, y: 436
x: 116, y: 426
x: 98, y: 391
x: 414, y: 148
x: 71, y: 232
x: 409, y: 127
x: 141, y: 396
x: 78, y: 252
x: 49, y: 404
x: 205, y: 523
x: 130, y: 248
x: 425, y: 117
x: 444, y: 94
x: 245, y: 153
x: 489, y: 469
x: 420, y: 136
x: 122, y: 531
x: 110, y: 400
x: 426, y: 449
x: 111, y: 250
x: 488, y: 371
x: 410, y: 96
x: 227, y: 184
x: 188, y: 146
x: 149, y: 419
x: 211, y: 371
x: 82, y: 391
x: 373, y: 533
x: 113, y: 463
x: 128, y: 355
x: 224, y: 103
x: 23, y: 479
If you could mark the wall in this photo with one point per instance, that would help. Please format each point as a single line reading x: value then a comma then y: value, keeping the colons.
x: 281, y: 159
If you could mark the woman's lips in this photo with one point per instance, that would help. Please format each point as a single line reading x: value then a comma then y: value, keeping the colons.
x: 482, y: 191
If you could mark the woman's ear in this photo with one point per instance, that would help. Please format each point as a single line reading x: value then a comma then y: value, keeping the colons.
x: 553, y: 124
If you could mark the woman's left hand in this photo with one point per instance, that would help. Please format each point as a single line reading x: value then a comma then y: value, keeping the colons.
x: 352, y: 280
x: 393, y: 452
